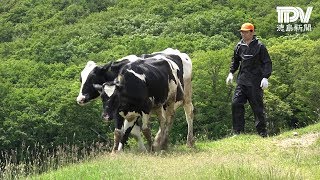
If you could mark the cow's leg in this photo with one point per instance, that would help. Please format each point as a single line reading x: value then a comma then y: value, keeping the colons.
x: 127, y: 127
x: 162, y: 122
x: 170, y: 111
x: 136, y: 132
x: 188, y: 109
x: 166, y: 121
x: 146, y: 129
x: 118, y: 132
x: 117, y: 137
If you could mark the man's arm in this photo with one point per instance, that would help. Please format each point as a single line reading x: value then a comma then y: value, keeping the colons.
x: 266, y: 62
x: 235, y: 60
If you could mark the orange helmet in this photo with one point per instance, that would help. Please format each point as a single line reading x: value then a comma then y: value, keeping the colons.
x: 247, y: 27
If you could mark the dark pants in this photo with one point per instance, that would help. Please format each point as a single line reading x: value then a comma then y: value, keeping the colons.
x: 254, y: 95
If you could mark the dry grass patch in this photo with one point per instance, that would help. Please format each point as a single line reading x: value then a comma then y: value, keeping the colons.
x: 298, y: 141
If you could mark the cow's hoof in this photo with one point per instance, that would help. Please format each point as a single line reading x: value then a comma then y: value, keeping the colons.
x: 155, y: 147
x: 190, y: 144
x: 143, y: 149
x: 151, y: 149
x: 113, y: 153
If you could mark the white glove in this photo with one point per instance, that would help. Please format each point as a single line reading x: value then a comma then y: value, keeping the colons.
x: 229, y: 78
x: 264, y: 83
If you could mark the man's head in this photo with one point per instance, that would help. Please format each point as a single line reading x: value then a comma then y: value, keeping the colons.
x: 247, y: 31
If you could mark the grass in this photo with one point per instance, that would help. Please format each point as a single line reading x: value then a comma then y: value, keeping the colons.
x: 27, y: 161
x: 240, y: 157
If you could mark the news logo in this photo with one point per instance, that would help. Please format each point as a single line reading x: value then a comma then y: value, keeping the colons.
x: 288, y: 19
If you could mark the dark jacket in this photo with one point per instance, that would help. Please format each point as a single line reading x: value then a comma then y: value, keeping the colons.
x: 254, y: 62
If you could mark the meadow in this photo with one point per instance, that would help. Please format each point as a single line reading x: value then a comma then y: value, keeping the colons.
x: 291, y: 155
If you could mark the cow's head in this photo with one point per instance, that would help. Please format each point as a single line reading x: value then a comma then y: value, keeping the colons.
x: 91, y: 75
x: 117, y: 102
x: 110, y: 99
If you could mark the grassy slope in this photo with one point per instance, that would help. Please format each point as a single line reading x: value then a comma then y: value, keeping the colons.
x: 242, y: 157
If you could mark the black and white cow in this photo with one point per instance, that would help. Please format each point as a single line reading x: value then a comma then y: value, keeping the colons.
x: 93, y: 75
x: 159, y: 84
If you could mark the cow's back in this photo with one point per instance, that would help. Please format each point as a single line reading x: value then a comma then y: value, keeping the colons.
x: 147, y: 79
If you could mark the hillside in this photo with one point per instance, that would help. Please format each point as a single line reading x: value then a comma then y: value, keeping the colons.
x: 286, y: 156
x: 44, y: 45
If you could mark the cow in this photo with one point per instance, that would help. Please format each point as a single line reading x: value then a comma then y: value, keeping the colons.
x: 92, y: 76
x: 158, y: 84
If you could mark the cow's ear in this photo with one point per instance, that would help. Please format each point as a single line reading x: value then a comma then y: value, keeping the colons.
x: 91, y: 63
x: 119, y: 87
x: 109, y: 89
x: 107, y: 67
x: 99, y: 70
x: 98, y: 87
x: 117, y: 82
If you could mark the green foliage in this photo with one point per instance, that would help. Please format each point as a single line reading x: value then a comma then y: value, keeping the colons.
x: 212, y: 96
x: 295, y: 67
x: 38, y: 106
x: 45, y: 44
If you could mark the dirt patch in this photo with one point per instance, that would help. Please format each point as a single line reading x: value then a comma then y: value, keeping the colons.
x: 302, y: 141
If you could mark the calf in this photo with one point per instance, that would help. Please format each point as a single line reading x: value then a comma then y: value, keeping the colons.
x: 158, y: 84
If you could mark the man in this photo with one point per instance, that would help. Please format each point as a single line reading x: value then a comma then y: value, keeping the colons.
x: 255, y: 68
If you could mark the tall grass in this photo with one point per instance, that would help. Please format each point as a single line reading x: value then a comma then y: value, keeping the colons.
x: 32, y: 160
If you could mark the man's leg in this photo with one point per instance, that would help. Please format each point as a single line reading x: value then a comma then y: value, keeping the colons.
x: 256, y: 103
x: 238, y: 101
